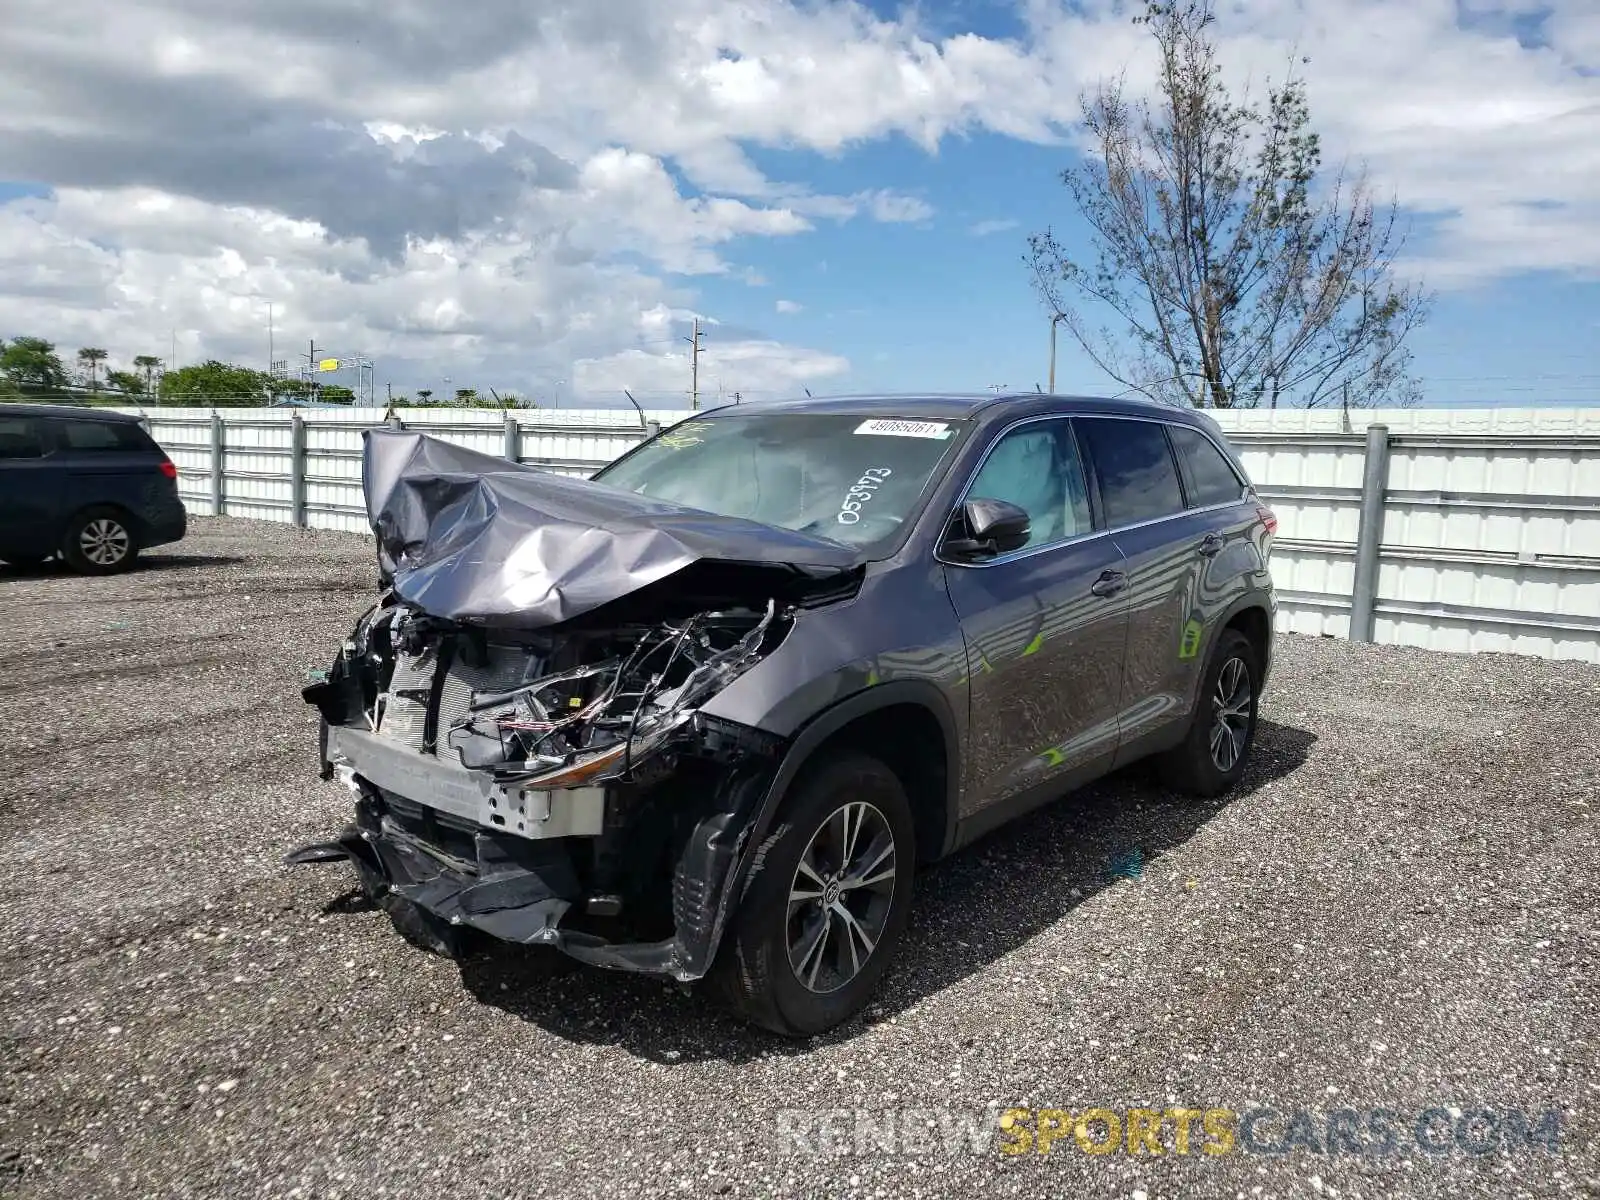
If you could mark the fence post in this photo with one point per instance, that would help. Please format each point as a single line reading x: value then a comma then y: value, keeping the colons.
x: 1369, y: 534
x: 513, y: 451
x: 651, y: 428
x: 216, y: 463
x: 297, y: 470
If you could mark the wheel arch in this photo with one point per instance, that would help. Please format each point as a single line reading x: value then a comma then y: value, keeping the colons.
x: 893, y: 722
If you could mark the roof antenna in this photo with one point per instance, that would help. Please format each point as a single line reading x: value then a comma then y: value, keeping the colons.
x: 807, y: 391
x: 643, y: 424
x: 1038, y: 389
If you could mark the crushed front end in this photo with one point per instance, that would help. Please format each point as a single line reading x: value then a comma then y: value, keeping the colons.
x: 520, y: 716
x: 556, y: 787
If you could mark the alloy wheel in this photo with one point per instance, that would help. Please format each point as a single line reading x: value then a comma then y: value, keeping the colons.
x: 1230, y: 708
x: 104, y: 542
x: 841, y: 897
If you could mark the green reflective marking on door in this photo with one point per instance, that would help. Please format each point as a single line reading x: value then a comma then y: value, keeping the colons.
x: 1190, y: 646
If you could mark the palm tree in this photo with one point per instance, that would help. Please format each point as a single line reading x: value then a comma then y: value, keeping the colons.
x: 424, y: 394
x: 148, y: 364
x: 92, y: 357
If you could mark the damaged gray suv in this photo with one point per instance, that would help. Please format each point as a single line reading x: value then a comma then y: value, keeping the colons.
x: 704, y: 715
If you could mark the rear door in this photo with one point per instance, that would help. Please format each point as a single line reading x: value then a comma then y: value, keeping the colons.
x: 1171, y: 543
x: 32, y: 486
x: 108, y: 462
x: 1044, y: 627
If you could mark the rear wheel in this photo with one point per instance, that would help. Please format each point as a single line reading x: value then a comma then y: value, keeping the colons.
x: 1212, y: 757
x: 99, y: 541
x: 829, y: 896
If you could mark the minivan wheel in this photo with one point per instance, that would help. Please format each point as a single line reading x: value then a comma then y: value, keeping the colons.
x: 99, y: 541
x: 827, y: 902
x: 1212, y: 757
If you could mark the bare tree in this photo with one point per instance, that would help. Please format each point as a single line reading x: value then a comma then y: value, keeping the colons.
x: 1235, y: 277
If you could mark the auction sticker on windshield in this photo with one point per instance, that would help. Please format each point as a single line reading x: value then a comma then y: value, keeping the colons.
x: 893, y: 427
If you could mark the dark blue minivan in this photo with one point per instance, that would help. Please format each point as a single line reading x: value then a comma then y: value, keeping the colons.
x: 88, y: 485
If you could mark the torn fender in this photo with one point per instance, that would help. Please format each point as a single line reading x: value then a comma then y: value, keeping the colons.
x: 471, y: 537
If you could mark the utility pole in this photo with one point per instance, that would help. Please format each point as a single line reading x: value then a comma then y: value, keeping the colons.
x: 1054, y: 321
x: 694, y: 366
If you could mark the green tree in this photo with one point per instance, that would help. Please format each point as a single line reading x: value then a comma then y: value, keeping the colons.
x: 148, y: 364
x: 467, y: 397
x: 91, y: 357
x: 126, y: 382
x: 32, y: 364
x: 214, y: 384
x: 290, y: 389
x: 1233, y: 278
x: 336, y: 393
x: 424, y: 395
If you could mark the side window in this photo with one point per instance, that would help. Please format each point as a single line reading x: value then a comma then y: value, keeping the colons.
x: 101, y: 435
x: 1036, y: 467
x: 21, y: 437
x: 1138, y: 477
x: 1212, y: 479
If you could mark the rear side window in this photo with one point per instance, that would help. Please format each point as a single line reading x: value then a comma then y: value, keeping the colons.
x: 21, y: 437
x: 1212, y: 479
x: 103, y: 435
x: 1138, y: 477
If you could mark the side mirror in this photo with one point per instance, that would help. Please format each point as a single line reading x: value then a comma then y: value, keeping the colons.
x: 993, y: 527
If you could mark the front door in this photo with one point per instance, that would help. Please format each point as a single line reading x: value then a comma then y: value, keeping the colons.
x: 1044, y: 627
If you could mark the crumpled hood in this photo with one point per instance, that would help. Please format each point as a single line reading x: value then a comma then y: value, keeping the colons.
x: 471, y: 537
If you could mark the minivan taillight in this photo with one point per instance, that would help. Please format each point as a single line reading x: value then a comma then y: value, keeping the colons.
x: 168, y: 469
x: 1268, y: 518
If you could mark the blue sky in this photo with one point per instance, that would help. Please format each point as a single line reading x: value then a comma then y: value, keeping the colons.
x: 544, y: 205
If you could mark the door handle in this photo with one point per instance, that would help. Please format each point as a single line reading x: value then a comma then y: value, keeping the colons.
x: 1210, y: 545
x: 1109, y: 583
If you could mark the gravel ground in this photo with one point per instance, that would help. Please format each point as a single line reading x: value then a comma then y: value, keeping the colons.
x: 1400, y: 910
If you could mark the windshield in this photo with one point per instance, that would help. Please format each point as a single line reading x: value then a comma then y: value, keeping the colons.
x: 847, y: 477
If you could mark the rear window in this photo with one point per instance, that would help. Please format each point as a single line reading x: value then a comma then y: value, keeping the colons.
x: 1138, y: 477
x: 21, y: 437
x: 104, y: 435
x: 1212, y: 479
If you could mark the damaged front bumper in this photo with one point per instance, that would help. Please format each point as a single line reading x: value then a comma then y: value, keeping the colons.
x: 444, y: 868
x: 629, y: 869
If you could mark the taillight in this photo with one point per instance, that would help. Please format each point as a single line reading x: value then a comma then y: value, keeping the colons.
x: 1268, y: 518
x: 168, y: 469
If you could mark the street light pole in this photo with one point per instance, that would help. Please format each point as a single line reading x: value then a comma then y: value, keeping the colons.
x: 1054, y: 321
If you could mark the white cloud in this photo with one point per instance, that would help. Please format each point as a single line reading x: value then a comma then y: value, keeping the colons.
x: 987, y: 228
x: 532, y: 190
x: 788, y: 306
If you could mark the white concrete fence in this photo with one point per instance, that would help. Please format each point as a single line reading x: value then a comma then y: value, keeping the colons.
x: 1450, y: 529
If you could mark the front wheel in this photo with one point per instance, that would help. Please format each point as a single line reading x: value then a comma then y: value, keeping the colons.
x: 99, y: 541
x: 829, y: 896
x: 1211, y: 758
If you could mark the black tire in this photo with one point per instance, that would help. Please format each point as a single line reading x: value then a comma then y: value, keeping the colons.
x: 754, y: 974
x: 1195, y: 766
x: 100, y: 541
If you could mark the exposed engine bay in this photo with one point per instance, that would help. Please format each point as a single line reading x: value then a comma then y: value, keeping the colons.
x: 521, y: 783
x: 551, y: 710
